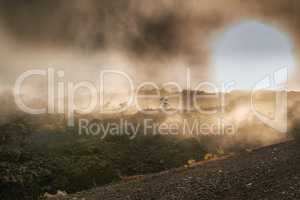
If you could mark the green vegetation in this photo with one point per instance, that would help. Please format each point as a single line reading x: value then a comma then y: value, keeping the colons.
x: 34, y: 163
x: 40, y: 154
x: 295, y: 131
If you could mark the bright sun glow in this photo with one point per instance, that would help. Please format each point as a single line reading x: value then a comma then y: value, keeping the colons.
x: 249, y: 51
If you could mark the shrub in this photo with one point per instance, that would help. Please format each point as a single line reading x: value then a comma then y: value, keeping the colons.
x: 295, y: 131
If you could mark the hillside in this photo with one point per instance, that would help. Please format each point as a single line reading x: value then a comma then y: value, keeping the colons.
x: 267, y: 173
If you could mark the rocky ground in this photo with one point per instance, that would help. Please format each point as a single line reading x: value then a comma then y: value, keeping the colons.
x: 268, y: 173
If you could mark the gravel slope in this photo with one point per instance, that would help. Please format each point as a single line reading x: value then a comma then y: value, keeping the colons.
x: 267, y: 173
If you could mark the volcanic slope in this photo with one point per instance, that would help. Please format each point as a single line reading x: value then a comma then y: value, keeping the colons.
x: 271, y: 172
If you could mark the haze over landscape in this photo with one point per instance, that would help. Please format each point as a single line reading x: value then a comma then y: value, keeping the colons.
x: 103, y: 99
x: 152, y: 41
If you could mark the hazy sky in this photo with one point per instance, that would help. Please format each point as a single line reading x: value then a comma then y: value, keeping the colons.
x: 250, y: 51
x: 151, y: 39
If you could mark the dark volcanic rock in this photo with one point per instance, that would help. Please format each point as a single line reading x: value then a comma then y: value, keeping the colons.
x: 267, y: 173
